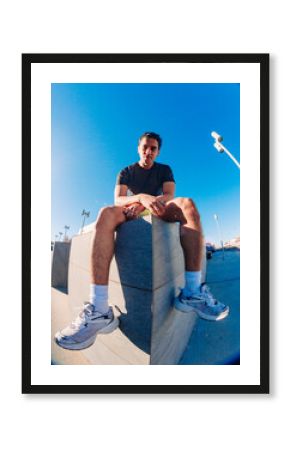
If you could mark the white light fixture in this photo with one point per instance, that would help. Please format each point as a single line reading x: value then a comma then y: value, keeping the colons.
x: 221, y: 148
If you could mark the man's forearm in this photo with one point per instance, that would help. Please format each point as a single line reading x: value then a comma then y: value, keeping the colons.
x: 165, y: 197
x: 124, y: 200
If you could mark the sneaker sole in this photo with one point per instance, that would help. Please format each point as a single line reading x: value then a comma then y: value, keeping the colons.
x: 89, y: 342
x: 186, y: 308
x: 109, y: 328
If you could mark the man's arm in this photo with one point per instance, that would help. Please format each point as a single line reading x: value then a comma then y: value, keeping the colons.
x: 156, y: 205
x: 132, y: 206
x: 153, y: 203
x: 168, y: 192
x: 121, y: 198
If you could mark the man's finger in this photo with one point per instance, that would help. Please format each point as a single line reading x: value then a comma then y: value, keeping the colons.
x: 154, y: 210
x: 130, y: 216
x: 151, y: 209
x: 159, y: 208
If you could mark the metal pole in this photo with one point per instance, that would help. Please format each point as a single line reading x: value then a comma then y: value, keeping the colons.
x: 221, y: 148
x: 83, y: 222
x: 85, y: 214
x: 66, y: 227
x: 231, y: 156
x: 220, y: 234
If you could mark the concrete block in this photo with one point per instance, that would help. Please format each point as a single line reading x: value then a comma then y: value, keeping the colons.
x: 171, y: 329
x: 60, y: 263
x: 79, y: 270
x: 132, y: 265
x: 133, y: 307
x: 168, y: 259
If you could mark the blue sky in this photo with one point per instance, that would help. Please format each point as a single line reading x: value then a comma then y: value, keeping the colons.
x: 95, y: 131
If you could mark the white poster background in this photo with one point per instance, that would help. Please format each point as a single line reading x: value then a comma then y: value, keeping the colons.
x: 248, y: 75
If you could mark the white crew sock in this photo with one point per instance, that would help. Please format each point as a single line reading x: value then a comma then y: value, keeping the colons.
x: 99, y: 297
x: 192, y: 282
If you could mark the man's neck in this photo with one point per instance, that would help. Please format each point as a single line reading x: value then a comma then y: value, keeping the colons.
x: 146, y: 167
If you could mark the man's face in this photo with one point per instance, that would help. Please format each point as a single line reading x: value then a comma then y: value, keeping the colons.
x: 148, y: 151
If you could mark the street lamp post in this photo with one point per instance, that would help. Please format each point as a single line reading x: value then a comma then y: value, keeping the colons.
x: 220, y: 234
x: 85, y: 214
x: 221, y: 148
x: 60, y: 234
x: 66, y: 227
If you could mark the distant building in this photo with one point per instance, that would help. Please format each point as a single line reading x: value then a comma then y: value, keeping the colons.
x: 235, y: 242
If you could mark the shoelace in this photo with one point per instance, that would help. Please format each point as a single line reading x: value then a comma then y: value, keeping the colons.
x: 207, y: 296
x: 81, y: 319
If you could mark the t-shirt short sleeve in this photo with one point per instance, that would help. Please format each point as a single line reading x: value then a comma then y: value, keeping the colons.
x: 123, y: 177
x: 167, y: 174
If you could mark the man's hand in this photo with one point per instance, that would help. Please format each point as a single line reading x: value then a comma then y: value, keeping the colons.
x: 155, y: 206
x: 132, y: 211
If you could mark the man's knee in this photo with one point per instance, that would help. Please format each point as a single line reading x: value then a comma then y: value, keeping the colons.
x: 111, y: 215
x: 187, y: 205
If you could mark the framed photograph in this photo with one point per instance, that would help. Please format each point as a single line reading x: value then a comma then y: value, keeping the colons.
x: 145, y: 245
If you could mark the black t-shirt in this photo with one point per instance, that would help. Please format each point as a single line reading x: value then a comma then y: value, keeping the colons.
x: 145, y: 181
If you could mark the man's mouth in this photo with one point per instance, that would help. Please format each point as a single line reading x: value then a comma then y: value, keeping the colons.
x: 147, y: 159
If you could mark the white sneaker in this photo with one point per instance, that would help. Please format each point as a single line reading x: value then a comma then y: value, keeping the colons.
x: 82, y: 332
x: 203, y: 304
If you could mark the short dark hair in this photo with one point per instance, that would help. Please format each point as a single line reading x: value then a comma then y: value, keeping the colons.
x: 152, y: 135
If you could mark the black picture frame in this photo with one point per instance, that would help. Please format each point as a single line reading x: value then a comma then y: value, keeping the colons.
x: 27, y: 61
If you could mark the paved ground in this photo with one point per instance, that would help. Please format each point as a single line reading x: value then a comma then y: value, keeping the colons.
x: 219, y: 342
